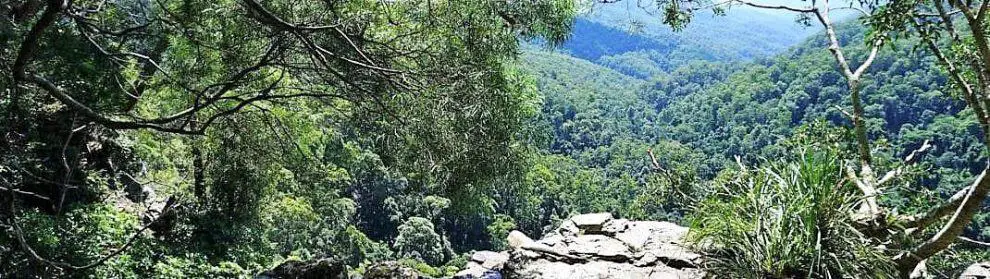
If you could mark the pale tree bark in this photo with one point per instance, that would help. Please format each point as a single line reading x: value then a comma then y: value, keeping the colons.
x: 968, y: 201
x: 866, y: 179
x: 965, y: 203
x: 949, y: 233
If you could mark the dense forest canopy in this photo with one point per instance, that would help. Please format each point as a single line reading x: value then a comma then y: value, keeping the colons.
x: 216, y: 139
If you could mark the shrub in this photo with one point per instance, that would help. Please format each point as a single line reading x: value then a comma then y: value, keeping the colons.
x: 417, y: 239
x: 787, y: 221
x: 499, y: 230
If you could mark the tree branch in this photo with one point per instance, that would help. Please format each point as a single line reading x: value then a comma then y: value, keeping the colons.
x: 969, y: 206
x: 30, y: 44
x: 974, y: 242
x: 911, y: 159
x: 775, y: 7
x: 922, y: 221
x: 869, y: 59
x: 26, y: 193
x: 656, y: 164
x: 19, y: 235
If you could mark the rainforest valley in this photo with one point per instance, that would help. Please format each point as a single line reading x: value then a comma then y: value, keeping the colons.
x: 221, y: 139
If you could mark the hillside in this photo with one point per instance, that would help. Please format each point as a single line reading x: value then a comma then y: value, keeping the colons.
x: 494, y: 139
x: 761, y: 110
x: 630, y: 39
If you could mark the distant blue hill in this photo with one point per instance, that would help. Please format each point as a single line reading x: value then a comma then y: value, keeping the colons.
x: 634, y: 41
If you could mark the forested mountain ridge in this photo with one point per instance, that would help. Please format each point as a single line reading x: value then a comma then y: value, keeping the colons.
x: 375, y: 139
x: 758, y: 110
x: 627, y: 37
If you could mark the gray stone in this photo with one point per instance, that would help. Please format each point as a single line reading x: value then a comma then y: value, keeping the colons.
x: 517, y: 239
x: 555, y: 240
x: 637, y: 234
x: 598, y: 246
x: 472, y: 270
x: 976, y: 271
x: 591, y: 223
x: 313, y: 269
x: 615, y: 226
x: 568, y: 229
x: 599, y: 269
x: 490, y: 259
x: 390, y: 270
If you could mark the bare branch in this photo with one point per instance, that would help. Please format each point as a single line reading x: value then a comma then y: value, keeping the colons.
x: 844, y: 112
x: 775, y: 7
x: 272, y: 18
x: 974, y: 242
x: 656, y: 164
x: 19, y: 235
x: 914, y: 155
x: 911, y: 159
x: 740, y: 163
x: 26, y: 193
x: 870, y: 208
x: 869, y: 59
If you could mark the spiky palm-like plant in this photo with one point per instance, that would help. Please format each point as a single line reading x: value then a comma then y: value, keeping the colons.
x: 787, y: 220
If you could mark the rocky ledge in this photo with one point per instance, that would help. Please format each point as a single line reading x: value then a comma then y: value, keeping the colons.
x: 592, y: 246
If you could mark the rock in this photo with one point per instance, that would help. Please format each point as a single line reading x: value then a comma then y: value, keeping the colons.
x: 596, y: 246
x: 599, y: 246
x: 555, y: 240
x: 599, y: 269
x: 472, y: 270
x: 591, y: 223
x: 615, y: 226
x: 485, y: 265
x: 637, y: 234
x: 976, y: 271
x: 517, y: 239
x: 542, y: 249
x: 390, y: 270
x: 478, y: 274
x: 317, y: 269
x: 568, y: 229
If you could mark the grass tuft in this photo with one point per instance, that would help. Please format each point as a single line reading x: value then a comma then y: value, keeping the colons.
x: 789, y: 220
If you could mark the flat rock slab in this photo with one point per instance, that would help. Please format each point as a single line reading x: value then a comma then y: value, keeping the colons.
x: 599, y: 246
x: 976, y: 271
x: 490, y: 259
x: 591, y: 222
x: 544, y: 269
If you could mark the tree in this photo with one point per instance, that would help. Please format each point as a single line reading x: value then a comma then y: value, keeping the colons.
x: 79, y: 74
x: 418, y: 239
x: 966, y: 63
x: 967, y: 69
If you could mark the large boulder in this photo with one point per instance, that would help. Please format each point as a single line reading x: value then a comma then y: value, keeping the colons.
x: 517, y: 239
x: 977, y: 271
x: 597, y: 246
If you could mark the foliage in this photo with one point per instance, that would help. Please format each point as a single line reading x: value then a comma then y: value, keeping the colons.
x: 763, y: 109
x: 418, y: 239
x: 499, y: 230
x: 281, y: 128
x: 787, y: 221
x: 417, y: 133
